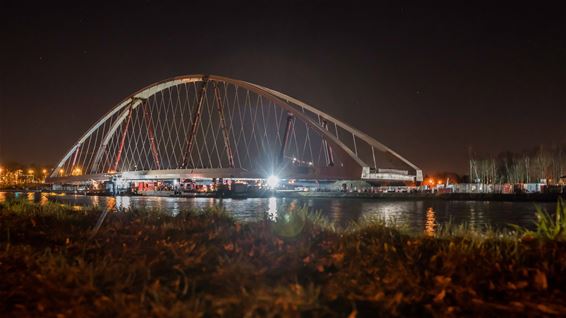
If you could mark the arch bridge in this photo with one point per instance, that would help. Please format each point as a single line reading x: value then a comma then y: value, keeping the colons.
x: 207, y: 126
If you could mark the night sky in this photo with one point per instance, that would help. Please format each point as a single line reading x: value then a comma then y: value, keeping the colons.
x: 429, y: 82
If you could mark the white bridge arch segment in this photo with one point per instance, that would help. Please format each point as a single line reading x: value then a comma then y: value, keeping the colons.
x: 213, y: 126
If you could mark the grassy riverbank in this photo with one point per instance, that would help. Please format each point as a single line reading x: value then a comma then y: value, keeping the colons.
x: 54, y: 261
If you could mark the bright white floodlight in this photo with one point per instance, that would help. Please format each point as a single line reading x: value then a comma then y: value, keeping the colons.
x: 273, y: 181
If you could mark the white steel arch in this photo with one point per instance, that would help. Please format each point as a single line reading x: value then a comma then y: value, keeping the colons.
x: 334, y: 133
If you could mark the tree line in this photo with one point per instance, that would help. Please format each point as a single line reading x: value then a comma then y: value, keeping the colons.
x: 541, y: 164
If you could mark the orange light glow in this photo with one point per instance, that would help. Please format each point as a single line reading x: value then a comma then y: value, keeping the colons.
x: 77, y: 171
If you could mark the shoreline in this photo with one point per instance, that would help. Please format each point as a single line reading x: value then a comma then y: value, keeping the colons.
x: 513, y: 197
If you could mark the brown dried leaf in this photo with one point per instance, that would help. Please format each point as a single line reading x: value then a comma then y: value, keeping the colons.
x: 517, y: 304
x: 379, y: 296
x: 398, y: 297
x: 338, y: 257
x: 442, y: 280
x: 229, y: 247
x: 353, y: 314
x: 547, y: 310
x: 522, y: 284
x: 540, y: 280
x: 440, y: 296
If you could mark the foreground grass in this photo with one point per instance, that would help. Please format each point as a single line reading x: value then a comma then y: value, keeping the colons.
x: 54, y: 262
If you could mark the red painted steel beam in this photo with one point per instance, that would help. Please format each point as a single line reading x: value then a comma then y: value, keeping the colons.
x: 223, y: 126
x: 329, y: 154
x: 151, y: 134
x: 124, y: 132
x: 290, y: 120
x: 196, y: 122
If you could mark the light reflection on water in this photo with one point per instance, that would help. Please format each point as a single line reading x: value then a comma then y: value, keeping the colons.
x: 272, y: 208
x: 430, y: 225
x: 422, y: 215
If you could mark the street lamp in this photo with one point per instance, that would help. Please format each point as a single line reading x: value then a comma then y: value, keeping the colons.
x: 44, y: 172
x: 31, y: 172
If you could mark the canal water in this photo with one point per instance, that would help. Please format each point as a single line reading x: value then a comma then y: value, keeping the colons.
x: 418, y: 215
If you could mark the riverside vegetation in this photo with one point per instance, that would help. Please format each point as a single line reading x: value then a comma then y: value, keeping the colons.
x: 56, y: 261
